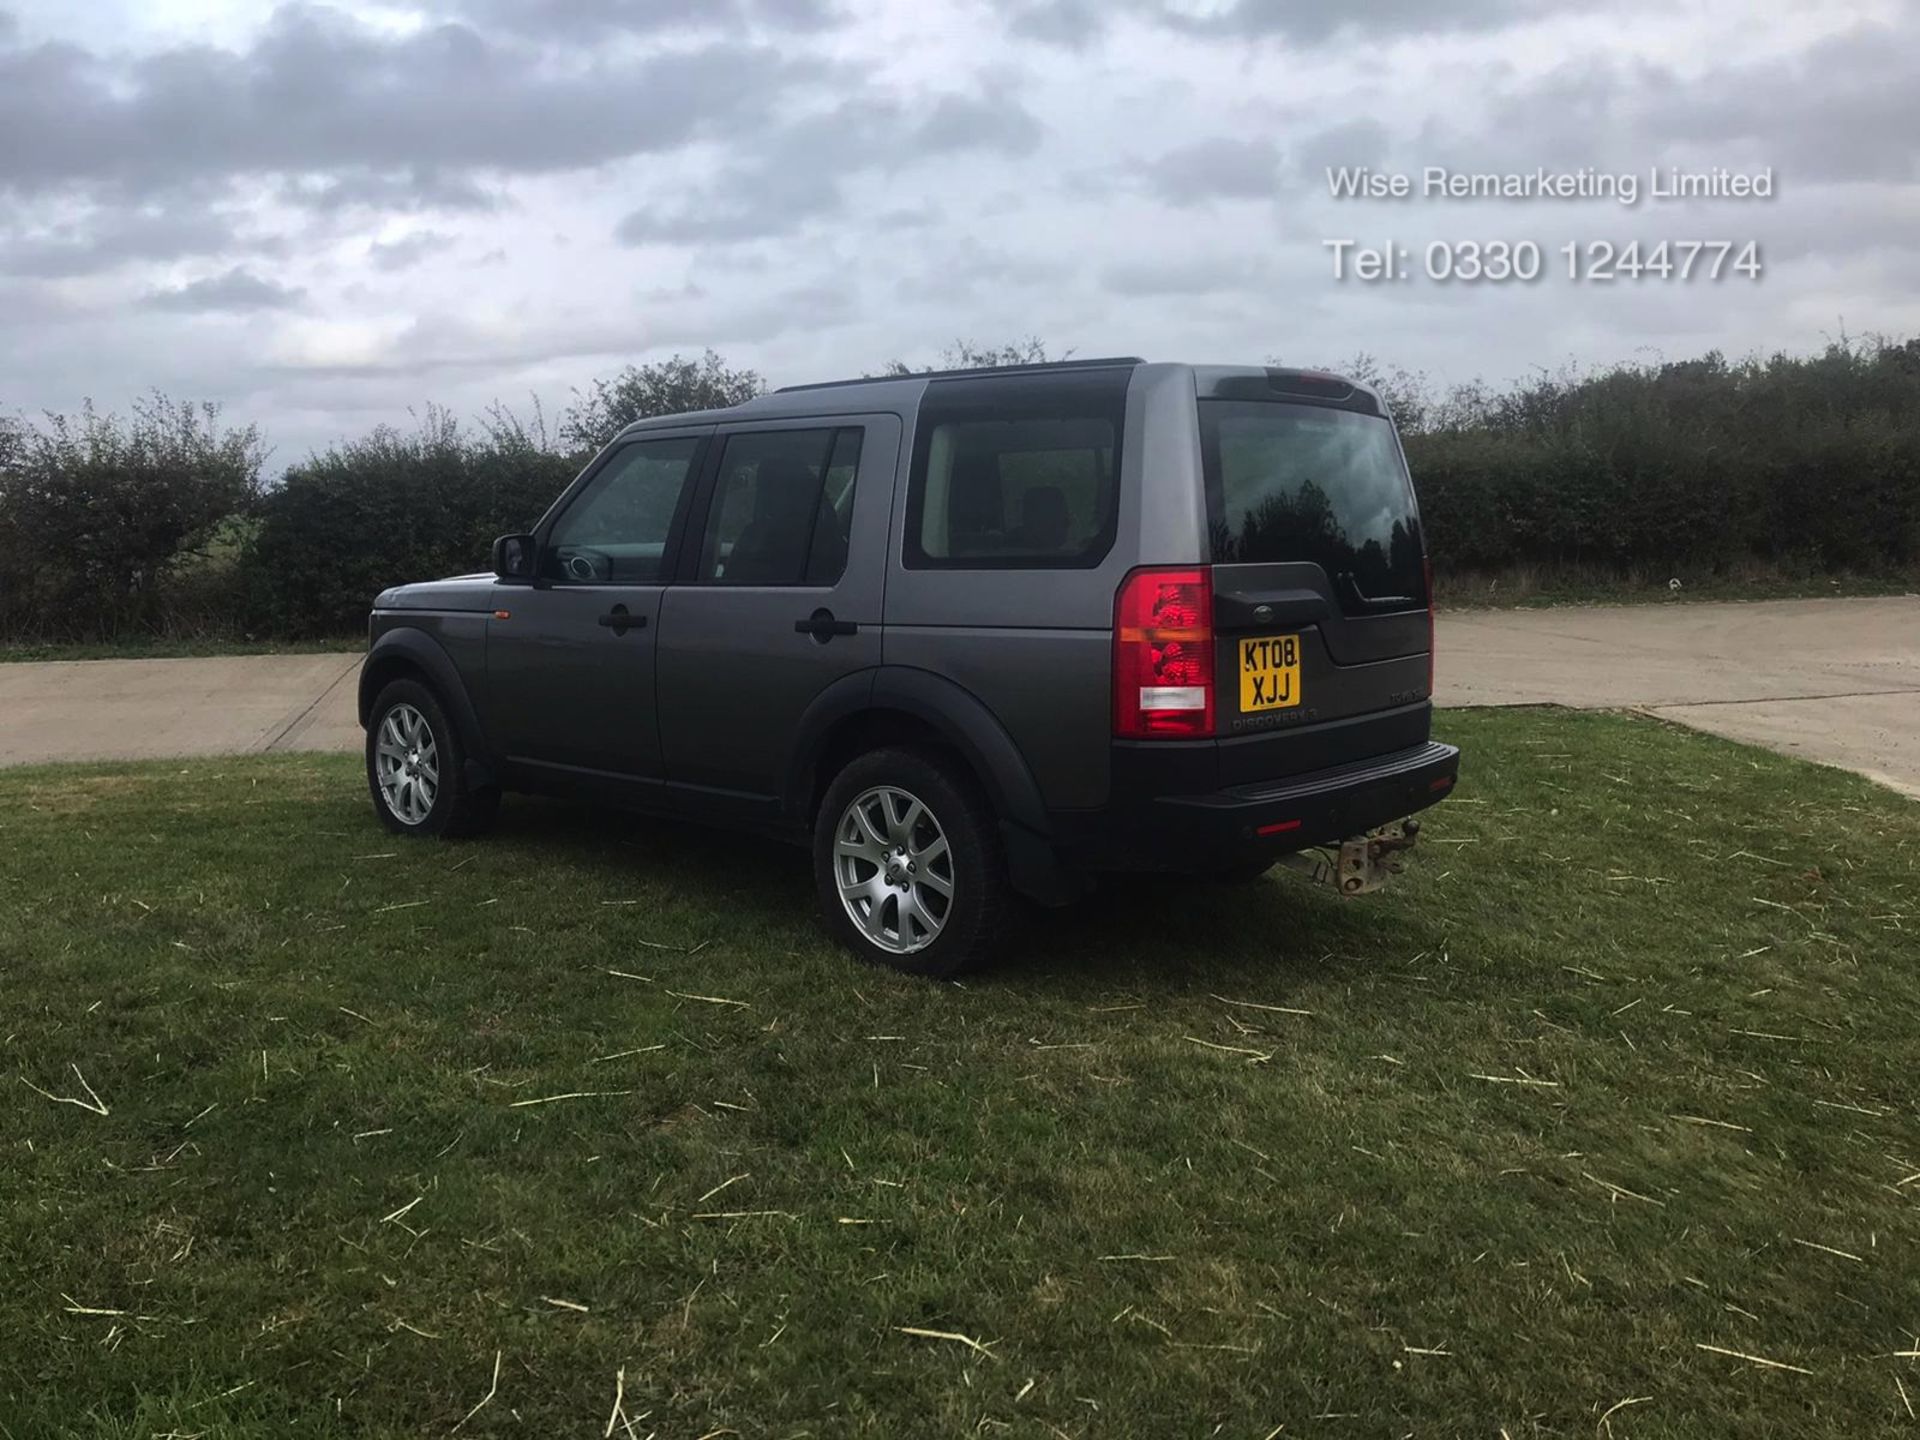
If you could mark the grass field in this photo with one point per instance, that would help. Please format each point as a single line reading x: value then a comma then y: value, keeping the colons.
x: 1602, y: 1122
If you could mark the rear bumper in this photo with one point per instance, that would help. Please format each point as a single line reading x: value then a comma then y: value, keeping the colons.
x: 1242, y: 823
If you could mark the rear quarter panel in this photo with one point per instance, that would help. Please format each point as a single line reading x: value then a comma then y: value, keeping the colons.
x: 1035, y: 645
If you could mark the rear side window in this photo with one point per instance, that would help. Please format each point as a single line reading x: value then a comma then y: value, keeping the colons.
x: 1016, y: 472
x: 1305, y: 482
x: 782, y: 509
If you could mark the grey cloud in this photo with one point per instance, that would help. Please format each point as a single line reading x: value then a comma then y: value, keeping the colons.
x: 1352, y: 142
x: 1218, y: 169
x: 318, y: 92
x: 966, y: 262
x: 1868, y: 86
x: 1314, y: 22
x: 797, y: 173
x: 108, y: 239
x: 808, y: 308
x: 1586, y: 112
x: 1298, y: 22
x: 1632, y: 114
x: 1201, y: 276
x: 236, y: 290
x: 733, y: 212
x: 1073, y: 23
x: 992, y: 122
x: 29, y: 310
x: 440, y: 343
x: 408, y: 250
x: 408, y: 190
x: 597, y: 19
x: 790, y: 183
x: 436, y: 342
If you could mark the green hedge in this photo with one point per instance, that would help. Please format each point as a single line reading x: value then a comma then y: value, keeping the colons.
x: 159, y: 524
x: 1806, y: 462
x: 103, y: 517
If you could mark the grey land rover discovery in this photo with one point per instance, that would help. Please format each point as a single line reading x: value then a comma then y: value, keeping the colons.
x: 971, y: 635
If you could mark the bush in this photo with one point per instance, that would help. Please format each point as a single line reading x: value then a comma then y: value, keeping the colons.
x: 1806, y: 464
x: 98, y: 514
x: 387, y: 509
x: 157, y: 524
x: 671, y: 387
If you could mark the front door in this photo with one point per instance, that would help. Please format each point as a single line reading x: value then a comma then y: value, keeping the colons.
x: 781, y: 597
x: 570, y: 657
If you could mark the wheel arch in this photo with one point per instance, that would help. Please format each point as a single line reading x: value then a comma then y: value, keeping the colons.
x: 898, y: 704
x: 409, y: 653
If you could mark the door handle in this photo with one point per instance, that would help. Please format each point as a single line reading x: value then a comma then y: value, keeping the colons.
x: 619, y: 620
x: 1251, y: 609
x: 823, y: 627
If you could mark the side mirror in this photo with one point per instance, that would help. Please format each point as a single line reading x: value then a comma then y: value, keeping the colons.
x: 513, y: 557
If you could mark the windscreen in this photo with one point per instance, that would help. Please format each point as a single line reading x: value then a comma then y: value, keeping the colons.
x: 1305, y: 482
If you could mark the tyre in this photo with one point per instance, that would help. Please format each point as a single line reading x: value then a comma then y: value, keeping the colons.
x: 908, y: 863
x: 416, y: 767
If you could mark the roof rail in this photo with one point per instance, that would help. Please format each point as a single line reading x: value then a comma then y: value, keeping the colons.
x: 1040, y: 367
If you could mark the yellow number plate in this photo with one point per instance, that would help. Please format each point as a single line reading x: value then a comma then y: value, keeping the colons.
x: 1269, y: 673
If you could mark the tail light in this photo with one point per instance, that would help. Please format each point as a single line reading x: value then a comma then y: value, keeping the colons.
x: 1427, y: 561
x: 1163, y: 654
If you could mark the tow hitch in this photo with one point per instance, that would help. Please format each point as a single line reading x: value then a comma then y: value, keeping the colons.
x: 1361, y: 864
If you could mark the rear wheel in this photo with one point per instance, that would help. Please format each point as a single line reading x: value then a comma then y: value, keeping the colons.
x: 908, y: 863
x: 416, y: 767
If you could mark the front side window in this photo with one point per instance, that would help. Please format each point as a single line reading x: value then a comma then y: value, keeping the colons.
x: 782, y: 509
x: 1016, y: 472
x: 615, y: 530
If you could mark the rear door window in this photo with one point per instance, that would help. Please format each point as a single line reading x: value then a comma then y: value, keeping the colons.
x: 1020, y: 472
x: 1308, y: 482
x: 782, y: 509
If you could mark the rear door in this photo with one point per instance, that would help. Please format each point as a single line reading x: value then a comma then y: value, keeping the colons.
x: 777, y: 596
x: 1320, y: 585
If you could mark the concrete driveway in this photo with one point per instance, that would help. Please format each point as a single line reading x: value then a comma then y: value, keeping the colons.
x: 138, y: 709
x: 1836, y: 681
x: 1831, y: 680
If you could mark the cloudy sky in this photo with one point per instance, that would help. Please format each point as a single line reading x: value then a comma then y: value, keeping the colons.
x: 320, y: 215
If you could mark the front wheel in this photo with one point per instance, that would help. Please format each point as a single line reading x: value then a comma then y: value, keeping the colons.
x: 908, y: 863
x: 416, y: 767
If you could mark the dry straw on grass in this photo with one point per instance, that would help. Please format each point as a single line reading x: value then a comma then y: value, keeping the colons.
x: 93, y: 1104
x: 492, y: 1390
x: 950, y: 1335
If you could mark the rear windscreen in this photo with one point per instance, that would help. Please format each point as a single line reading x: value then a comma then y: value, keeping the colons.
x: 1304, y: 482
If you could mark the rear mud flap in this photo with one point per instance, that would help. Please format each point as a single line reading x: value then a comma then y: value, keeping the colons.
x: 1361, y: 864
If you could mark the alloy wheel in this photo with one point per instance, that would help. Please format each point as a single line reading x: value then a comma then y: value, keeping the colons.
x: 894, y: 869
x: 407, y: 762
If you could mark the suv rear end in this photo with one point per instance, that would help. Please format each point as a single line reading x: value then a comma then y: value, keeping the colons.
x: 1271, y: 642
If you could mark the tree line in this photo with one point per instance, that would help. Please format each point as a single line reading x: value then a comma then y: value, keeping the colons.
x: 161, y: 522
x: 1808, y: 464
